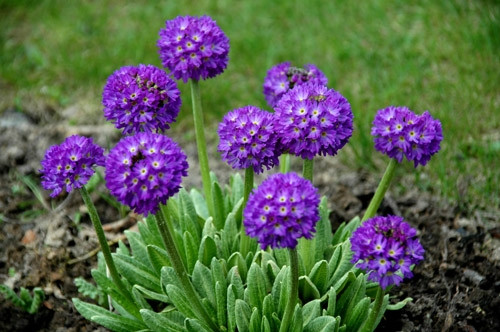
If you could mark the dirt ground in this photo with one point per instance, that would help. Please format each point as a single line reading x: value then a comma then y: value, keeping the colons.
x: 456, y: 288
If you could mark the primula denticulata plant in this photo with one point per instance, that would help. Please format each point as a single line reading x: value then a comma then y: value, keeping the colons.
x: 237, y: 257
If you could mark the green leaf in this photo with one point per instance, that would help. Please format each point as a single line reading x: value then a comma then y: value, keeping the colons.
x: 158, y: 258
x: 199, y: 203
x: 322, y: 324
x: 160, y: 322
x: 139, y: 250
x: 221, y: 303
x: 332, y: 299
x: 122, y: 249
x: 110, y: 288
x: 189, y: 216
x: 324, y: 236
x: 12, y: 296
x: 25, y: 296
x: 281, y: 256
x: 307, y: 289
x: 149, y: 232
x: 345, y: 230
x: 297, y: 322
x: 139, y: 299
x: 243, y: 313
x: 203, y: 282
x: 231, y: 308
x: 399, y: 305
x: 255, y: 320
x: 209, y: 228
x: 194, y: 325
x: 237, y: 260
x: 311, y: 310
x: 256, y: 286
x: 137, y: 272
x: 319, y: 275
x: 234, y: 279
x: 357, y: 315
x: 229, y: 236
x: 265, y: 326
x: 343, y: 265
x: 237, y: 188
x: 149, y: 294
x: 208, y: 249
x: 268, y: 306
x: 169, y: 277
x: 218, y: 272
x: 192, y: 250
x: 281, y: 290
x: 107, y: 319
x: 38, y: 297
x: 218, y: 199
x: 180, y: 301
x: 350, y: 296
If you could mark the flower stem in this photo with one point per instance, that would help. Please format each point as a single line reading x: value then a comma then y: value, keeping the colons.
x: 201, y: 144
x: 180, y: 270
x: 244, y: 238
x: 307, y: 170
x: 285, y: 163
x: 372, y: 321
x: 96, y: 222
x: 294, y: 290
x: 381, y: 190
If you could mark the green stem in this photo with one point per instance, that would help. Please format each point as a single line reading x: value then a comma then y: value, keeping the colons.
x: 307, y: 170
x: 181, y: 272
x: 294, y: 290
x: 96, y: 221
x: 201, y: 144
x: 244, y: 238
x: 372, y: 321
x: 285, y: 163
x: 381, y: 190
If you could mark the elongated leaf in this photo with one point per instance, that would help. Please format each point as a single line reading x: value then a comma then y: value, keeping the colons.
x: 324, y: 236
x: 208, y: 249
x: 255, y: 320
x: 194, y: 325
x: 139, y: 299
x: 297, y: 320
x: 231, y: 308
x: 237, y: 260
x: 221, y: 303
x: 139, y: 250
x: 234, y: 279
x: 199, y: 203
x: 256, y: 286
x: 169, y: 277
x: 357, y: 315
x: 136, y: 272
x: 107, y: 319
x: 319, y: 275
x: 311, y: 310
x: 332, y: 301
x: 203, y: 282
x: 322, y: 324
x: 149, y: 232
x: 160, y: 323
x: 178, y: 298
x: 280, y: 290
x: 158, y: 258
x: 218, y: 198
x: 399, y: 305
x: 243, y: 313
x: 149, y: 294
x: 307, y: 289
x: 265, y: 326
x: 192, y: 249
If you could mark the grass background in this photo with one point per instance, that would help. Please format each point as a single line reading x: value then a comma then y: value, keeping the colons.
x: 441, y: 56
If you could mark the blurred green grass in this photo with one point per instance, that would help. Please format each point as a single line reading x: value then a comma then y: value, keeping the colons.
x: 441, y: 56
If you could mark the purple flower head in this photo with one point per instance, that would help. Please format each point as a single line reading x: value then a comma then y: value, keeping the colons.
x: 386, y: 247
x: 193, y: 47
x: 281, y: 210
x: 313, y: 120
x: 247, y: 139
x: 141, y: 98
x: 399, y: 132
x: 284, y: 77
x: 70, y: 164
x: 144, y: 170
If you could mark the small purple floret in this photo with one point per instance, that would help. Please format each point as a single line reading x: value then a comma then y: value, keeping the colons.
x: 248, y: 139
x: 144, y: 170
x: 142, y: 98
x: 386, y: 247
x: 401, y: 133
x: 314, y: 120
x: 284, y: 77
x: 70, y: 164
x: 193, y: 47
x: 284, y: 208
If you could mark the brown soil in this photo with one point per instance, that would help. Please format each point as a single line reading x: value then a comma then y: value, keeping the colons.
x: 456, y: 288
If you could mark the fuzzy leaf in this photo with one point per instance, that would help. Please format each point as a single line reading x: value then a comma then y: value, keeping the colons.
x: 199, y: 203
x: 319, y: 275
x: 297, y: 322
x: 158, y: 258
x: 192, y: 249
x: 357, y: 315
x: 237, y: 260
x: 169, y: 277
x: 399, y: 305
x: 322, y: 324
x: 194, y: 325
x: 136, y: 272
x: 234, y: 279
x: 218, y: 199
x: 203, y: 282
x: 221, y: 303
x: 208, y: 249
x: 280, y: 290
x: 332, y: 300
x: 149, y: 231
x: 311, y: 310
x: 307, y: 289
x: 231, y: 308
x: 139, y: 250
x: 149, y: 294
x: 160, y: 323
x: 256, y: 285
x: 107, y: 319
x: 179, y: 300
x: 255, y: 320
x: 243, y: 313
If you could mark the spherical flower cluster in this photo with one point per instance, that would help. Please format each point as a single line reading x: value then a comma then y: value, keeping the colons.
x: 284, y: 77
x: 141, y: 98
x: 144, y: 170
x: 387, y: 247
x: 399, y: 132
x: 247, y: 139
x: 281, y: 210
x: 70, y: 164
x: 313, y: 120
x: 193, y: 47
